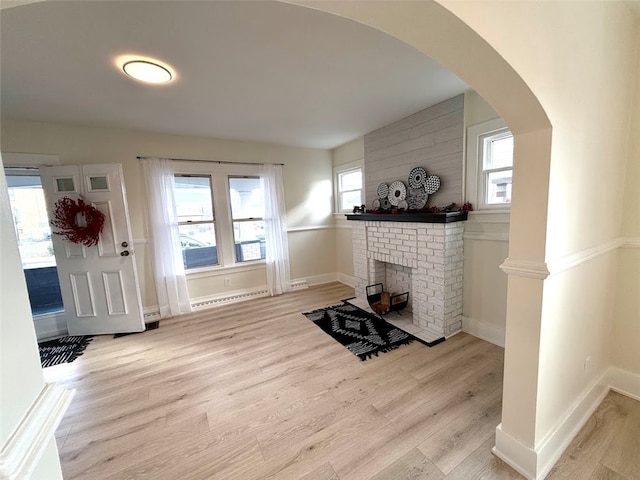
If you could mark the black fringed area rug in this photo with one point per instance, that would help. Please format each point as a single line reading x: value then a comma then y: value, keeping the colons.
x: 62, y: 350
x: 363, y: 334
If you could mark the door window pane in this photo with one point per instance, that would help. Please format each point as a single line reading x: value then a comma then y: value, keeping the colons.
x: 99, y: 183
x: 65, y: 185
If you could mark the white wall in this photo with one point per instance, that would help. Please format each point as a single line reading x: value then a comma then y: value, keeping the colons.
x: 307, y: 181
x: 20, y: 374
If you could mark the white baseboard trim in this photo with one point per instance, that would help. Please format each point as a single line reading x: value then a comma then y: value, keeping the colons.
x: 299, y: 284
x: 624, y: 382
x: 514, y: 453
x: 536, y: 463
x: 227, y: 298
x: 347, y: 280
x: 50, y: 325
x: 320, y: 279
x: 151, y: 314
x: 486, y: 331
x: 551, y: 448
x: 21, y: 452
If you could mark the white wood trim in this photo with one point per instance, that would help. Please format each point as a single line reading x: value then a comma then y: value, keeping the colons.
x: 489, y: 236
x: 567, y: 262
x: 50, y: 325
x: 513, y: 452
x: 209, y: 301
x: 536, y: 463
x: 10, y: 159
x: 624, y: 382
x: 22, y: 451
x: 486, y: 331
x: 347, y: 279
x: 308, y: 228
x: 321, y: 279
x: 630, y: 242
x: 473, y: 165
x: 229, y: 269
x: 553, y: 445
x: 489, y: 216
x: 525, y: 268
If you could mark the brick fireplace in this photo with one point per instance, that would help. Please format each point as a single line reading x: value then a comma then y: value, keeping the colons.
x: 424, y: 256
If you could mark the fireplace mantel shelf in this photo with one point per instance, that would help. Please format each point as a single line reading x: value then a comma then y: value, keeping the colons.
x: 444, y: 217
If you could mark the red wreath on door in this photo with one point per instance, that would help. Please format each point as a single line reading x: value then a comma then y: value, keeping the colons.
x: 78, y: 221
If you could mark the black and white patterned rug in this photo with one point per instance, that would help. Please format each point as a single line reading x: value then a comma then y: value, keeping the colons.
x: 62, y: 350
x: 361, y: 332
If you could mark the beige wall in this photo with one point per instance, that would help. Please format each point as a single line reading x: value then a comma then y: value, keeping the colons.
x: 342, y: 155
x: 307, y: 180
x: 625, y: 347
x: 486, y: 246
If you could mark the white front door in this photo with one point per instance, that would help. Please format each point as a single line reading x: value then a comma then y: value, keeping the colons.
x: 99, y: 284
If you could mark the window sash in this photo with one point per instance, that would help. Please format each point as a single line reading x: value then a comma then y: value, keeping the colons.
x: 341, y: 191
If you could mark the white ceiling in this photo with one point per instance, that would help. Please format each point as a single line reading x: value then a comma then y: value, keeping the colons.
x: 262, y: 71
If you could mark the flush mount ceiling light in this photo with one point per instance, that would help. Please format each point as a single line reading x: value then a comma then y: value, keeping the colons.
x: 146, y: 71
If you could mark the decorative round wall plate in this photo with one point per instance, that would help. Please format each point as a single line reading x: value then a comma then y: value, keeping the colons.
x: 397, y: 192
x: 417, y: 177
x: 417, y: 198
x: 432, y: 185
x: 384, y: 204
x: 383, y: 190
x: 375, y: 205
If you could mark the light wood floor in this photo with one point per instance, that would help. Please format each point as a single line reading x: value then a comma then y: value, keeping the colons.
x: 256, y: 391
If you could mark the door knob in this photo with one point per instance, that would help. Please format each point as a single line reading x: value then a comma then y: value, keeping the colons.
x: 124, y: 244
x: 124, y: 253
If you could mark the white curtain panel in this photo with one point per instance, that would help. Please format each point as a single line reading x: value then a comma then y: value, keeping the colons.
x: 168, y: 268
x: 275, y: 230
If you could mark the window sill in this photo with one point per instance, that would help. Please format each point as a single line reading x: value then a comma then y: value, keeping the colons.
x: 223, y: 270
x: 502, y: 215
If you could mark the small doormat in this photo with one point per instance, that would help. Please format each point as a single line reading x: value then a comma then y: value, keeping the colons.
x: 363, y: 334
x: 62, y: 350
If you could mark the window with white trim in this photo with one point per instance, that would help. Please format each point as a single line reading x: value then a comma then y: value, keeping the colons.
x: 247, y: 216
x: 196, y: 220
x: 220, y: 214
x: 489, y: 165
x: 349, y: 192
x: 497, y: 168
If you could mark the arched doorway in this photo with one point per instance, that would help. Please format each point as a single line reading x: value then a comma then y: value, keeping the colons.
x: 441, y: 35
